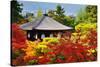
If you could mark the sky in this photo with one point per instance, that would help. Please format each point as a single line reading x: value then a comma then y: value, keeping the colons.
x: 31, y: 6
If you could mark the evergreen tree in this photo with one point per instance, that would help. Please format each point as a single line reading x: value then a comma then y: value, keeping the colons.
x: 59, y: 15
x: 59, y: 11
x: 15, y: 11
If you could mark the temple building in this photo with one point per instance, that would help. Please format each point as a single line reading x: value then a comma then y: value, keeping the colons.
x: 44, y: 26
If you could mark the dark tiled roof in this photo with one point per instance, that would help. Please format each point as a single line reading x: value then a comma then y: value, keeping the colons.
x: 44, y: 23
x: 31, y: 25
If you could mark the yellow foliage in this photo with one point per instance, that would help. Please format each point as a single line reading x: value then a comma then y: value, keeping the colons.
x: 92, y: 51
x: 86, y: 26
x: 51, y: 40
x: 41, y: 46
x: 43, y: 43
x: 30, y: 50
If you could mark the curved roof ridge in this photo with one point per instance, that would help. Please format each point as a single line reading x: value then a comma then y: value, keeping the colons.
x: 41, y: 19
x: 32, y: 24
x: 50, y: 24
x: 44, y: 23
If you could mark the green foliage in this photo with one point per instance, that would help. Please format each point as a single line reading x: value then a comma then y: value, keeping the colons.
x: 39, y: 13
x: 91, y: 13
x: 29, y: 14
x: 88, y: 14
x: 70, y: 21
x: 15, y: 54
x: 15, y: 11
x: 31, y: 62
x: 61, y: 57
x: 58, y: 14
x: 81, y: 16
x: 59, y: 11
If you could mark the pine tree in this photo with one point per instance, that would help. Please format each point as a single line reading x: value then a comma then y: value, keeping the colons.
x: 15, y: 11
x: 59, y: 14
